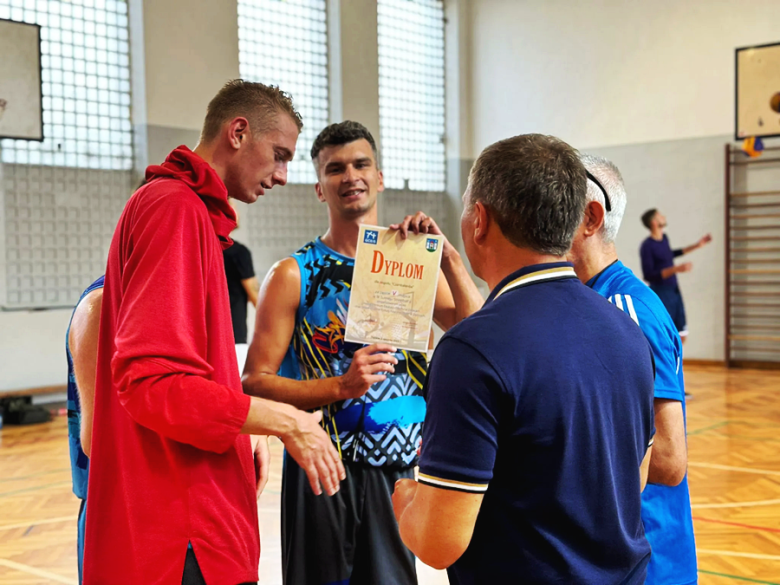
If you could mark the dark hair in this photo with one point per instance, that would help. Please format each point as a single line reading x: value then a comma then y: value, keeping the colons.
x: 341, y: 133
x: 535, y: 188
x: 258, y: 103
x: 647, y: 217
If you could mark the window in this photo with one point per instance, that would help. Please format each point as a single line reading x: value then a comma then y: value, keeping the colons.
x: 411, y: 93
x: 86, y: 84
x: 285, y: 43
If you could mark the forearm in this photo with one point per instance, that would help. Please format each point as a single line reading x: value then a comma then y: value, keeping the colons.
x: 665, y: 470
x: 669, y: 272
x: 266, y: 417
x: 306, y: 394
x: 438, y: 544
x: 187, y: 408
x: 412, y: 527
x: 468, y: 299
x: 86, y: 432
x: 667, y: 463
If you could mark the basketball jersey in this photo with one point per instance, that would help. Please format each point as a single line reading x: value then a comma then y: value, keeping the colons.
x: 666, y: 510
x: 383, y: 427
x: 79, y: 463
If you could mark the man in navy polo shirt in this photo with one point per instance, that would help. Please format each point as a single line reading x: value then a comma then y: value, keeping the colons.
x: 540, y: 405
x: 666, y: 503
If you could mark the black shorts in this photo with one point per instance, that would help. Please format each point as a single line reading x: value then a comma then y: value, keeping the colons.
x: 672, y: 299
x: 351, y: 537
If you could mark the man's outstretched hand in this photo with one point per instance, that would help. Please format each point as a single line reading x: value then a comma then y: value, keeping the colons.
x: 312, y: 449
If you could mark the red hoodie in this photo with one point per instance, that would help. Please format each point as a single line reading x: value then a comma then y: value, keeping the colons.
x: 169, y: 465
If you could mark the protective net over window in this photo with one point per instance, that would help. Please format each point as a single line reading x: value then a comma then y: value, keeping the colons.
x: 86, y: 84
x: 285, y: 43
x: 411, y: 93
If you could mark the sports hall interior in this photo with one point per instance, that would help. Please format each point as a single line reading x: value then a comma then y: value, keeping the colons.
x: 648, y: 85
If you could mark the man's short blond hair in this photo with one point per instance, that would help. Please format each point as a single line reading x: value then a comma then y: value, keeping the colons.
x: 260, y: 104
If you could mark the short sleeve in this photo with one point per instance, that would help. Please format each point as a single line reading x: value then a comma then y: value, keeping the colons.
x: 460, y: 436
x: 665, y: 352
x: 243, y: 262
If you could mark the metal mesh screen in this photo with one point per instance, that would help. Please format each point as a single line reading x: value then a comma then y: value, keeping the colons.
x: 411, y: 93
x: 86, y: 84
x: 285, y: 43
x: 58, y: 226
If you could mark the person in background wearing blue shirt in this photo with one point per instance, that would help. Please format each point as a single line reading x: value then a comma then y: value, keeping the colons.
x: 659, y: 270
x: 666, y: 504
x: 540, y: 405
x: 81, y: 350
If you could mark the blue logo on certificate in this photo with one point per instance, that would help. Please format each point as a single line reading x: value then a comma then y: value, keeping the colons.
x: 432, y: 245
x: 370, y: 237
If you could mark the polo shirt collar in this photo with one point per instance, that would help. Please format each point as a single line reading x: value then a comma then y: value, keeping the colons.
x: 605, y: 274
x: 533, y: 274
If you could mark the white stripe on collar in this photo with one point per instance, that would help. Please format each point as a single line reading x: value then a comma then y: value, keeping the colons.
x: 549, y: 274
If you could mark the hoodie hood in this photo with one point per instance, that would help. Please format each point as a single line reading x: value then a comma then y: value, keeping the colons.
x: 184, y: 165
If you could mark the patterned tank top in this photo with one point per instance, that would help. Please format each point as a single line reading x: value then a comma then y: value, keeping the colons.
x: 79, y: 463
x: 384, y: 426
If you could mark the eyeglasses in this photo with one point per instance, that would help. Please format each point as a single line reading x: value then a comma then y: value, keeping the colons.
x: 607, y: 204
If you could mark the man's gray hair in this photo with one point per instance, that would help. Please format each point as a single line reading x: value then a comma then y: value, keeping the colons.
x: 610, y: 178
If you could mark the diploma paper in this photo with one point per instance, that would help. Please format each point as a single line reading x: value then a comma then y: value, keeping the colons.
x: 393, y: 288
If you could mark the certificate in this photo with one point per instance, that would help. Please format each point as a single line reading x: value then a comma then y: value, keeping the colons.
x: 394, y: 288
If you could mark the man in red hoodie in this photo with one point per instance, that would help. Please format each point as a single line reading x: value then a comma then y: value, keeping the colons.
x: 172, y: 479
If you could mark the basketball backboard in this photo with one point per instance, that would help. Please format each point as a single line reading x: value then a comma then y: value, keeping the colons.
x: 757, y: 91
x: 20, y: 81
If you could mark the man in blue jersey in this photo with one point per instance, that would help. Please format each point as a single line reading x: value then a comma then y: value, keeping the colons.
x: 540, y: 410
x: 659, y: 269
x: 666, y: 507
x: 370, y: 397
x: 81, y: 350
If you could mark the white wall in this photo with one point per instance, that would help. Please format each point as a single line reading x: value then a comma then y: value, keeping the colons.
x: 191, y: 50
x: 609, y: 72
x: 649, y: 85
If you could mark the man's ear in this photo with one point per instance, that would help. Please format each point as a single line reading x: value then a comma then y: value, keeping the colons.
x: 238, y: 131
x: 381, y: 182
x: 318, y: 190
x: 594, y: 218
x: 482, y: 223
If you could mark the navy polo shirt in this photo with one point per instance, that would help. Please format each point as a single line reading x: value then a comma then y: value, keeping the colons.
x: 543, y: 402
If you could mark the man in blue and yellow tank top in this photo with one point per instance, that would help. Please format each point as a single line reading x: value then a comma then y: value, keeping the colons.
x: 370, y: 397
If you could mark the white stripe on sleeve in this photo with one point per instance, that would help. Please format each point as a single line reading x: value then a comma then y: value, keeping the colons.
x: 631, y: 310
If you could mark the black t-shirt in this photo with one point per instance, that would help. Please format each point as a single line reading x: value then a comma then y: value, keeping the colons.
x: 238, y: 267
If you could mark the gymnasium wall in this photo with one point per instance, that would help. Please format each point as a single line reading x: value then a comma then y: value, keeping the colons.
x: 182, y: 51
x: 649, y: 85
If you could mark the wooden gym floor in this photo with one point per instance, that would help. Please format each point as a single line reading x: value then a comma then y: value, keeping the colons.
x: 734, y: 474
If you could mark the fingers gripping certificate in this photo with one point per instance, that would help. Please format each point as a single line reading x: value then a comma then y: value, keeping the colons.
x: 394, y: 288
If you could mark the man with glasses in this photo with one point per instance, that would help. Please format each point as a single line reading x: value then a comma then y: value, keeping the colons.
x: 666, y: 508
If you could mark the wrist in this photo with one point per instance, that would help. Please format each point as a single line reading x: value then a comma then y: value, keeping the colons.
x: 450, y: 256
x: 289, y: 421
x: 339, y: 389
